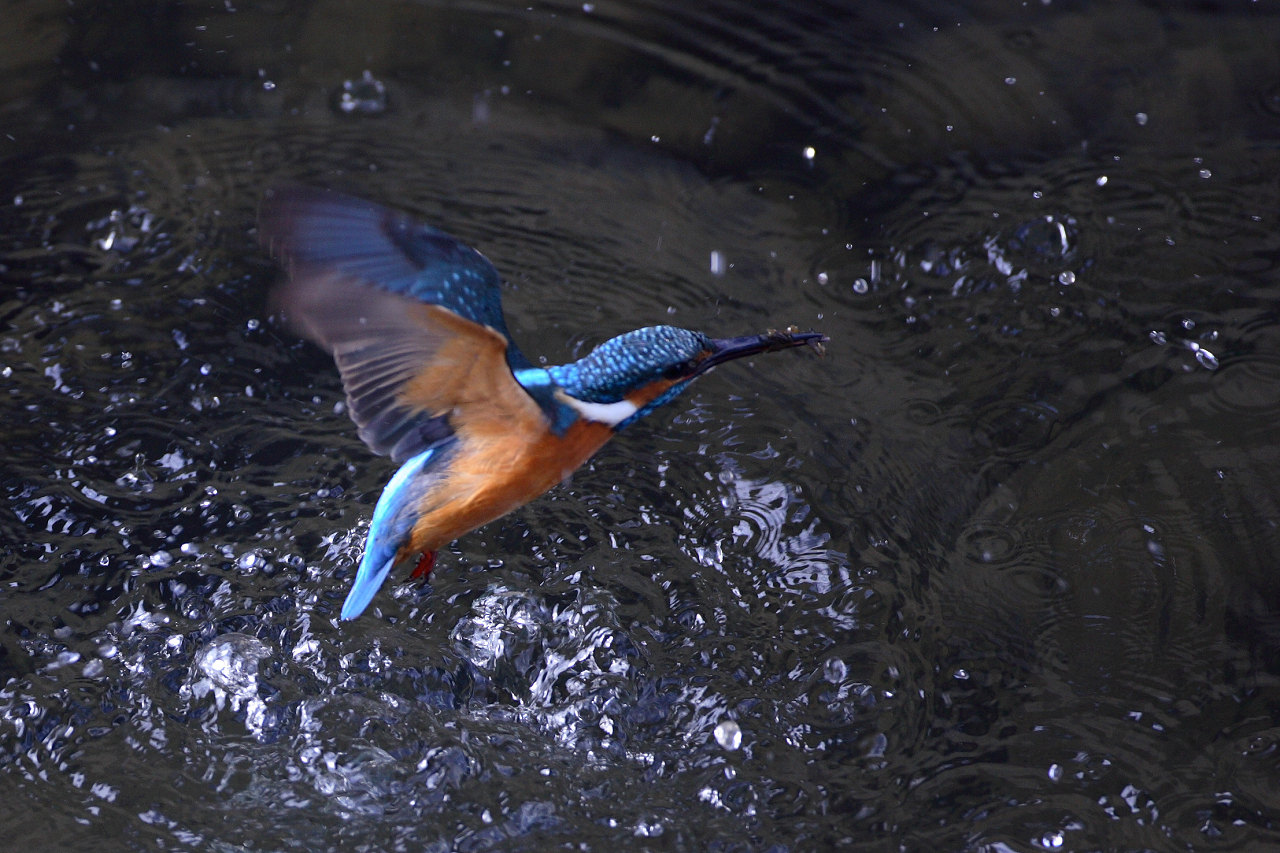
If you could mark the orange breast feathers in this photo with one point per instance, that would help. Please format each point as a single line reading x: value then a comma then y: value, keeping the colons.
x: 642, y: 397
x: 506, y: 454
x: 496, y: 471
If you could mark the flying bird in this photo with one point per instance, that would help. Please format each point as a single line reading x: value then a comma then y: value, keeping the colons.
x: 413, y: 319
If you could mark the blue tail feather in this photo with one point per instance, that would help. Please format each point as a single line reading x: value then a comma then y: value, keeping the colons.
x: 368, y: 579
x: 393, y: 520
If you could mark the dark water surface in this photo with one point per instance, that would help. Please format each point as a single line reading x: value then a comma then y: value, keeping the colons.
x: 999, y: 573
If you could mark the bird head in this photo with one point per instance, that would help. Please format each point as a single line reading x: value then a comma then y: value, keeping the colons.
x: 629, y: 376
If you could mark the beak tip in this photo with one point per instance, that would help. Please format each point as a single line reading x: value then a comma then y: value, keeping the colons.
x: 793, y: 337
x: 772, y: 340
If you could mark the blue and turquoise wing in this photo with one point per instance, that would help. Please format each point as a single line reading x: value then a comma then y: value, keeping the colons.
x: 319, y: 229
x: 361, y: 280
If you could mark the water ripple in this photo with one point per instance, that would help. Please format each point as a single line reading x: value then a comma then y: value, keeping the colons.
x: 998, y: 572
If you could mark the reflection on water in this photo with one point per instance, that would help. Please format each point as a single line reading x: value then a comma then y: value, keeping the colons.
x: 996, y: 574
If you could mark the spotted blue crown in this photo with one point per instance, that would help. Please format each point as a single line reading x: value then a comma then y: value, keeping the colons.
x: 631, y: 361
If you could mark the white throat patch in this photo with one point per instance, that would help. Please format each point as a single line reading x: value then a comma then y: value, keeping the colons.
x: 611, y: 414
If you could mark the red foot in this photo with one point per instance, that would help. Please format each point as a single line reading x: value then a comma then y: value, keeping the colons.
x: 426, y: 563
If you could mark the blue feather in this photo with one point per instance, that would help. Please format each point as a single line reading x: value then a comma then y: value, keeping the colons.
x: 537, y: 382
x: 629, y: 361
x: 393, y: 520
x: 324, y: 230
x: 358, y: 272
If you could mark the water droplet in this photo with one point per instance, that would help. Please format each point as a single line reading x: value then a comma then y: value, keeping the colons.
x: 718, y: 264
x: 861, y: 286
x: 1102, y: 181
x: 366, y: 96
x: 305, y: 648
x: 1009, y: 81
x: 1066, y: 277
x: 649, y: 827
x: 710, y: 136
x: 728, y: 735
x: 810, y: 152
x: 1207, y: 359
x: 835, y: 670
x: 161, y: 559
x: 1141, y: 119
x: 1157, y: 337
x: 64, y: 658
x: 1055, y: 772
x: 231, y: 662
x: 823, y: 278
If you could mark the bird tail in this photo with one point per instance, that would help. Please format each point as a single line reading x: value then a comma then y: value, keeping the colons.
x: 393, y: 520
x: 369, y: 579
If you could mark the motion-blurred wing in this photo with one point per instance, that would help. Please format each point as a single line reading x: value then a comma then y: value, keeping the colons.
x: 318, y: 229
x: 412, y: 317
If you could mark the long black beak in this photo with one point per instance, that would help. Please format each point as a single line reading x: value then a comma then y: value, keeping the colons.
x: 727, y: 349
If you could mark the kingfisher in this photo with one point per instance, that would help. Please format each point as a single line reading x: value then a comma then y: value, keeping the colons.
x: 413, y: 319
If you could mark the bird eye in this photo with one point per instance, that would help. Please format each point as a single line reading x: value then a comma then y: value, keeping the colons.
x: 678, y: 370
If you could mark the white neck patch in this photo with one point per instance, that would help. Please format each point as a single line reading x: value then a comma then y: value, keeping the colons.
x: 602, y: 413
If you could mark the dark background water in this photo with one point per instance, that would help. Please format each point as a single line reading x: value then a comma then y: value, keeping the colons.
x: 996, y: 574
